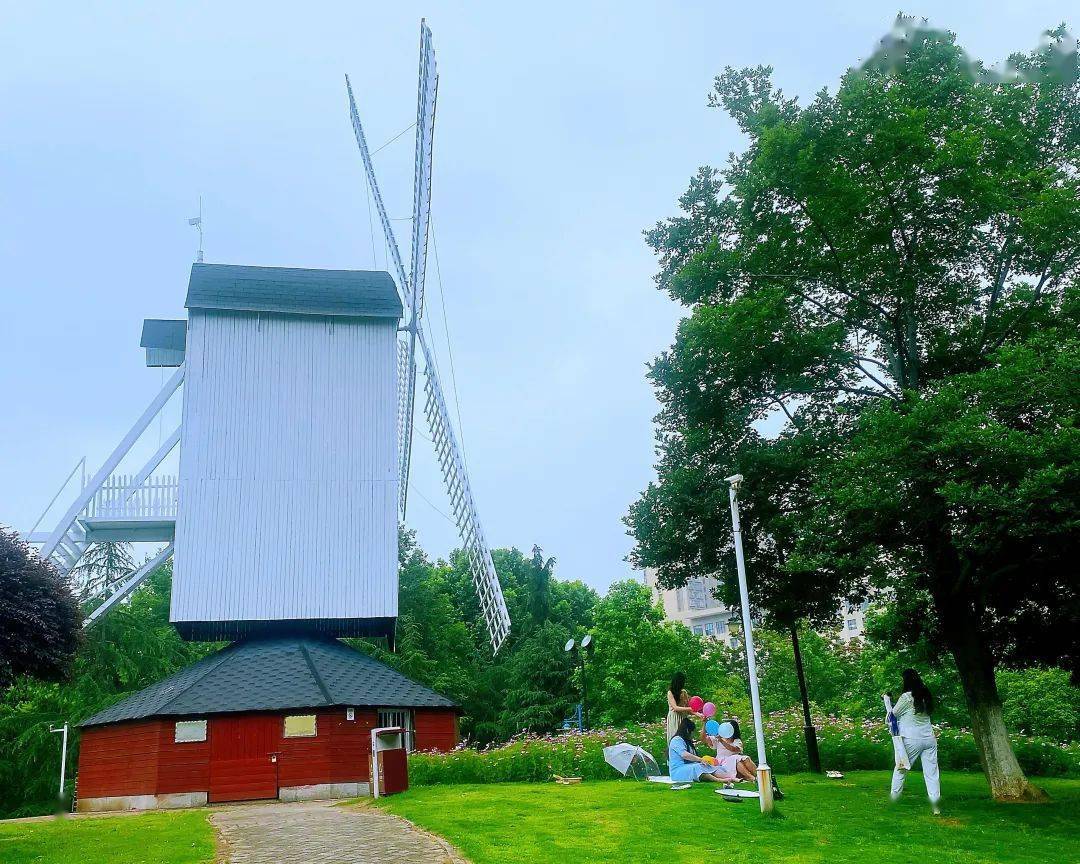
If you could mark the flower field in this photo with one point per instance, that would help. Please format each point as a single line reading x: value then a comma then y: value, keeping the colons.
x: 845, y: 745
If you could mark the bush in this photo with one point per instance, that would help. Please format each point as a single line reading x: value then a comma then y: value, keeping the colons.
x: 1040, y: 701
x: 845, y: 745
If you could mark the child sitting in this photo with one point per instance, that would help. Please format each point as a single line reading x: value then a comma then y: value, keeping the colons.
x: 733, y: 764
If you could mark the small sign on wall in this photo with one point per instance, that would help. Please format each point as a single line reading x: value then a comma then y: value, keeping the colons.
x: 350, y: 713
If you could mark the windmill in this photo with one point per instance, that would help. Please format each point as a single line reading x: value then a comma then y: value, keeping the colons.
x: 256, y: 466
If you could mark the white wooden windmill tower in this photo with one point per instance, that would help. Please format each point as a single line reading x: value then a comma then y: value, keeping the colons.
x: 295, y: 442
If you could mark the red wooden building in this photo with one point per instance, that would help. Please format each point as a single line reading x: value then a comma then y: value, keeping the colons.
x: 287, y: 718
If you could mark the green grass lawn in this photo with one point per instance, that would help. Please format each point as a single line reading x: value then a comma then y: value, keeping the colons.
x: 849, y: 820
x: 178, y: 837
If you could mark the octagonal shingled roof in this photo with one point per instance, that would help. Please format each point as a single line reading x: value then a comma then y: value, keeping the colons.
x: 277, y: 674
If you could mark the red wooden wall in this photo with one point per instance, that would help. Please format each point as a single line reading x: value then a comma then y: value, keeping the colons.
x: 119, y: 760
x: 435, y: 729
x: 141, y: 758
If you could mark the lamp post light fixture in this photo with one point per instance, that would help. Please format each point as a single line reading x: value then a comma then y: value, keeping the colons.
x: 63, y: 759
x: 582, y: 650
x: 764, y: 772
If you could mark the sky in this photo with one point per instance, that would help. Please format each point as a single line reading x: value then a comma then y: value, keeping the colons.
x: 563, y: 130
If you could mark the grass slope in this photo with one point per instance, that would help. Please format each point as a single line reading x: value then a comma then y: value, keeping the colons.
x: 178, y: 837
x: 848, y: 820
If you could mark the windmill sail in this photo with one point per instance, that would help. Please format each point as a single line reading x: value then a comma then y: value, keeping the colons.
x: 456, y: 478
x: 421, y: 215
x: 369, y: 168
x: 448, y: 452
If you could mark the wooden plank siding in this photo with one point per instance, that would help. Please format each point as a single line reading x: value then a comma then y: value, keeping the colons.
x: 435, y: 729
x: 288, y: 470
x: 121, y: 759
x: 182, y: 767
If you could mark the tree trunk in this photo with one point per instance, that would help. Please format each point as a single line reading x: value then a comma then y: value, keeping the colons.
x: 963, y: 626
x: 974, y: 662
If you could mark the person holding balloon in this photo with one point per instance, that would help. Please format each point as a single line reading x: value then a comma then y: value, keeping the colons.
x: 724, y: 739
x: 735, y: 765
x: 684, y: 764
x: 680, y: 705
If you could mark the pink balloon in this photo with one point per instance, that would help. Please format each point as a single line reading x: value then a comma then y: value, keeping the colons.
x: 696, y: 703
x: 708, y: 709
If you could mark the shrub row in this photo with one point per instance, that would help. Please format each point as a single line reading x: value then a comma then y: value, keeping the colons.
x: 844, y: 745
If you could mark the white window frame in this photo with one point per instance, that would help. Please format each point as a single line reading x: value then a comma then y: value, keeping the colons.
x: 314, y: 733
x: 190, y: 726
x: 402, y: 717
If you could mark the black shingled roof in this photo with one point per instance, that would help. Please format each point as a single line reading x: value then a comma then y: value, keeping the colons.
x: 277, y: 674
x: 344, y: 293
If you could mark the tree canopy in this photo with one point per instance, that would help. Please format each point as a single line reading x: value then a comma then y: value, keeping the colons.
x: 883, y: 338
x: 39, y: 617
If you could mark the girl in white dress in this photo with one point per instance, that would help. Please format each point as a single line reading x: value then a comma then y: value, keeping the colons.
x: 734, y: 764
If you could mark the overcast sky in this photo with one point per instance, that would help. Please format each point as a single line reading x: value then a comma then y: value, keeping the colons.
x: 563, y: 130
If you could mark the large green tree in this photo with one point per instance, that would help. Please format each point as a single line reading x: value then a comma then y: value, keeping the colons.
x: 636, y: 654
x: 442, y: 639
x: 883, y: 340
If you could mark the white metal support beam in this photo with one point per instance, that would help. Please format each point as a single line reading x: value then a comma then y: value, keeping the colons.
x: 148, y: 469
x: 119, y: 453
x: 133, y: 581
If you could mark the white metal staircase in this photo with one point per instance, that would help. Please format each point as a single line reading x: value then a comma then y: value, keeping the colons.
x: 113, y: 507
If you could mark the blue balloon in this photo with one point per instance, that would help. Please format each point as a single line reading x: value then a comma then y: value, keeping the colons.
x: 726, y: 730
x: 712, y: 728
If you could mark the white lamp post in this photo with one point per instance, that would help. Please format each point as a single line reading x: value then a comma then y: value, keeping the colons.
x: 764, y: 772
x: 63, y: 759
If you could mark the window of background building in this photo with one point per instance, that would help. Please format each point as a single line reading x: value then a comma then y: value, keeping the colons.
x: 710, y: 628
x: 697, y: 630
x: 852, y: 624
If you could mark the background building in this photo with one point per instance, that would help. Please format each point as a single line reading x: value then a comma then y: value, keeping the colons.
x: 695, y: 606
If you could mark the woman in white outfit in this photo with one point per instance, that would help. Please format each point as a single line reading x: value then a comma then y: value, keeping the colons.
x: 912, y: 711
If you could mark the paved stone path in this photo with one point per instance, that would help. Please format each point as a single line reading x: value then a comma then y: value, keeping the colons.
x: 318, y: 833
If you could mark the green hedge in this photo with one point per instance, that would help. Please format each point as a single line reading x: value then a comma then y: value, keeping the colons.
x: 845, y: 745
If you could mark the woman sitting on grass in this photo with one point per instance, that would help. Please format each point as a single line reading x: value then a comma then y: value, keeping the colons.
x: 734, y: 765
x: 684, y: 765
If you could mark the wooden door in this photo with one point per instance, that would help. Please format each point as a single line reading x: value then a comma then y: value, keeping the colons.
x: 242, y: 750
x: 395, y: 771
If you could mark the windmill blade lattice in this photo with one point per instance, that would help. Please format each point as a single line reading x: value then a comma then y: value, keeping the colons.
x: 462, y: 505
x: 421, y: 216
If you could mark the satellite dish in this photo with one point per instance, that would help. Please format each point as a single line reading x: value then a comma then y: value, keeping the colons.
x: 586, y: 640
x: 569, y: 645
